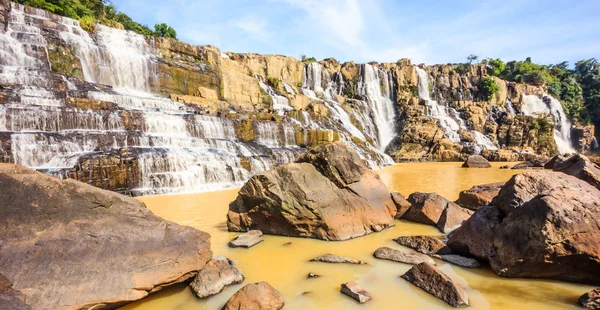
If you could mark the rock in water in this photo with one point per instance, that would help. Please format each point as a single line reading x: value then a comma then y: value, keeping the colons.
x: 555, y: 160
x: 476, y: 161
x: 478, y: 196
x: 424, y: 244
x: 68, y: 245
x: 247, y: 240
x: 581, y: 167
x: 462, y: 261
x: 257, y: 296
x: 402, y: 257
x: 216, y: 274
x: 591, y: 299
x: 433, y: 209
x: 328, y: 258
x: 436, y: 283
x: 353, y: 290
x: 541, y: 225
x: 329, y: 193
x: 402, y: 205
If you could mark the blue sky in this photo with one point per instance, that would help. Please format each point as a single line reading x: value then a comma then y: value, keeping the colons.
x: 426, y: 31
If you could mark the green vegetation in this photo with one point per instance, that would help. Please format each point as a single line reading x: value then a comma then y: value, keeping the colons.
x: 490, y: 88
x: 496, y: 66
x: 542, y: 124
x: 273, y: 82
x: 308, y: 59
x: 91, y: 12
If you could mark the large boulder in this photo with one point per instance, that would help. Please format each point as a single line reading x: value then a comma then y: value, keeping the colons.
x: 476, y: 161
x: 216, y: 274
x: 581, y: 167
x: 478, y: 195
x: 541, y: 225
x: 329, y: 193
x: 68, y: 245
x: 402, y: 205
x: 430, y: 279
x: 257, y: 296
x: 433, y: 209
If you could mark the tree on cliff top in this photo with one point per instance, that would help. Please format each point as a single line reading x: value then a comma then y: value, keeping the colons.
x: 490, y: 88
x: 164, y: 30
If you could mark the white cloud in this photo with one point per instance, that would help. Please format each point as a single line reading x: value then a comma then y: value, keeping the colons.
x: 256, y: 28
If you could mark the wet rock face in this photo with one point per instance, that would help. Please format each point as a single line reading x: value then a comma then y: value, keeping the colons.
x: 433, y: 209
x: 478, y: 195
x: 541, y: 225
x: 328, y: 194
x: 68, y: 225
x: 436, y: 283
x: 216, y: 274
x: 591, y: 299
x: 476, y: 161
x: 257, y: 296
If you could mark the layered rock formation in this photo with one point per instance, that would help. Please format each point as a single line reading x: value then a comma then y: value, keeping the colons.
x: 329, y: 193
x: 68, y: 245
x: 144, y: 115
x: 541, y: 225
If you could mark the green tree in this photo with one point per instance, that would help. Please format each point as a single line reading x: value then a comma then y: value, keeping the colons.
x: 490, y: 88
x: 496, y: 66
x: 164, y: 30
x: 471, y: 58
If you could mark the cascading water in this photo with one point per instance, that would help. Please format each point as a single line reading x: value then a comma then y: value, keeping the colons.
x: 449, y: 119
x: 533, y: 105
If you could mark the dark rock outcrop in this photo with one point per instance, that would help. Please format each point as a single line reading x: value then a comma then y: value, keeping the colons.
x: 402, y: 205
x: 541, y: 225
x: 591, y: 299
x: 353, y: 290
x: 328, y: 258
x: 402, y: 257
x: 462, y: 261
x: 433, y: 209
x: 478, y: 195
x: 216, y: 274
x: 424, y: 244
x: 476, y: 161
x: 554, y: 160
x: 257, y: 296
x: 436, y: 283
x: 68, y: 245
x: 581, y: 167
x: 329, y: 193
x: 247, y: 240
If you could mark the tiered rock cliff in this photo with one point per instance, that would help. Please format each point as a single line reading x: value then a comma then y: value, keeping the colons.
x: 153, y: 115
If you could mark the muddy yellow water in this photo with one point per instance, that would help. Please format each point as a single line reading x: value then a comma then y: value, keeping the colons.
x: 284, y: 262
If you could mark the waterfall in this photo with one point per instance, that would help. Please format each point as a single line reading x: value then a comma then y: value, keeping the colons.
x: 374, y: 85
x: 533, y: 105
x: 279, y: 103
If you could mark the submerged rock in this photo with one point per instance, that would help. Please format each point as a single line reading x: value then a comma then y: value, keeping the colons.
x: 505, y: 167
x: 402, y: 205
x: 353, y: 290
x: 247, y: 240
x: 591, y: 299
x: 328, y: 258
x: 433, y: 209
x: 329, y: 193
x: 402, y: 257
x: 541, y: 225
x: 424, y: 244
x: 478, y: 195
x: 313, y: 276
x: 530, y: 164
x: 462, y: 261
x: 68, y: 245
x: 476, y: 161
x: 257, y: 296
x: 581, y: 167
x: 216, y: 274
x: 436, y: 283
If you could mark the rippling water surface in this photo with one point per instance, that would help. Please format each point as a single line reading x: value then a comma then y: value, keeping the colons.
x: 284, y: 262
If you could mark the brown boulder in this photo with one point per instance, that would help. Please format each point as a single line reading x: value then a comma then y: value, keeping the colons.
x: 433, y: 209
x: 257, y: 296
x: 247, y: 240
x: 476, y: 161
x: 328, y: 258
x: 478, y: 195
x: 541, y: 225
x: 424, y: 244
x: 68, y: 245
x: 591, y: 299
x: 581, y: 167
x: 402, y: 205
x: 412, y: 258
x: 328, y: 194
x: 353, y: 290
x: 436, y: 283
x: 216, y: 274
